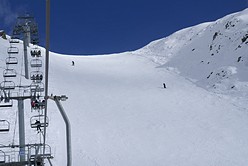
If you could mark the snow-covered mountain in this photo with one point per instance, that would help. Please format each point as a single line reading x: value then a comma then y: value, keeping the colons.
x: 213, y: 55
x: 121, y: 114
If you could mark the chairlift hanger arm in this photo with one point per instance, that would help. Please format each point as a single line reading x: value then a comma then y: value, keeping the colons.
x: 57, y: 100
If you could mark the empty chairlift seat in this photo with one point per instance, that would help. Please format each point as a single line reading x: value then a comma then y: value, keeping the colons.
x: 9, y: 73
x: 41, y: 151
x: 5, y: 102
x: 4, y: 126
x: 7, y: 85
x: 37, y: 87
x: 36, y: 76
x: 14, y: 40
x: 13, y: 50
x: 15, y: 37
x: 2, y: 157
x: 11, y: 60
x: 35, y: 52
x: 38, y: 121
x: 36, y: 63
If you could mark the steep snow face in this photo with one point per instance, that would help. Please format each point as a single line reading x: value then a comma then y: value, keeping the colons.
x: 214, y: 55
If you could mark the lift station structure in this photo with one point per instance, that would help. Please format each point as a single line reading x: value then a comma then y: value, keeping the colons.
x: 32, y: 88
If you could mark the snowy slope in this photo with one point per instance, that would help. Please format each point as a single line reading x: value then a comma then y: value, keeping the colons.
x: 214, y: 56
x: 125, y: 117
x: 121, y: 115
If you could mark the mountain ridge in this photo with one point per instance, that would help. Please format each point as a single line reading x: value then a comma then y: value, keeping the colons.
x: 213, y: 54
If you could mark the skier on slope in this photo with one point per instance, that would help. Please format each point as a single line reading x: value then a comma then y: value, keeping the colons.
x: 164, y: 85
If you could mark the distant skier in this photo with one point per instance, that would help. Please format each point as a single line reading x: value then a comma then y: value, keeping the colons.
x: 164, y: 85
x: 72, y: 63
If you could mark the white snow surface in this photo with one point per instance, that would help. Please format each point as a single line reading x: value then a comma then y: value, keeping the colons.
x: 121, y: 115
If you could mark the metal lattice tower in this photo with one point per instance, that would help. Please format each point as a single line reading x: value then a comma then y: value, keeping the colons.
x: 26, y: 29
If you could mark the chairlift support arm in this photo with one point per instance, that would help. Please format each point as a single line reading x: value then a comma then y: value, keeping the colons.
x: 57, y: 100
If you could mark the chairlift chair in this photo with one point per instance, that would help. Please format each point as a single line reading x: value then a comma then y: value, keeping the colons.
x: 14, y: 40
x: 9, y: 73
x: 13, y: 50
x: 41, y: 151
x: 6, y: 103
x: 11, y: 60
x: 7, y: 85
x: 40, y: 119
x: 36, y: 63
x: 35, y: 52
x: 4, y: 126
x: 16, y: 37
x: 37, y: 87
x: 36, y: 76
x: 2, y: 157
x: 37, y: 104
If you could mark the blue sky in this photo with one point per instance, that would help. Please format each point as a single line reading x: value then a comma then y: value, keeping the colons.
x: 112, y: 26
